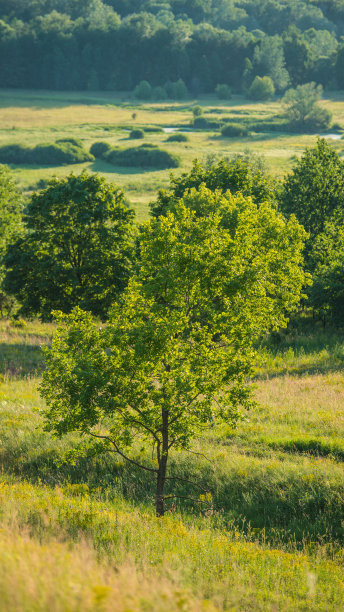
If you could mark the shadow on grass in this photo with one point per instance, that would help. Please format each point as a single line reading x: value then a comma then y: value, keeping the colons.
x: 101, y: 166
x: 21, y: 360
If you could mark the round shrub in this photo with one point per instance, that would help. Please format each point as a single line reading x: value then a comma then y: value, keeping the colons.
x: 143, y: 91
x: 59, y: 153
x: 197, y: 111
x: 136, y: 134
x: 177, y: 138
x: 142, y: 157
x: 262, y: 88
x: 206, y: 124
x: 233, y: 130
x: 99, y: 149
x: 223, y: 92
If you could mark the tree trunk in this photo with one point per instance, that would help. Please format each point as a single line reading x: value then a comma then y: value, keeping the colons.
x: 162, y: 460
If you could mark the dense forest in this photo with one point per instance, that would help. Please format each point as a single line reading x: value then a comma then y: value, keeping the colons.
x: 87, y: 44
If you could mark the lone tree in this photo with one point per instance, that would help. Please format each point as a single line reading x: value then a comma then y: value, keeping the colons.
x: 302, y: 109
x: 77, y: 249
x: 176, y: 353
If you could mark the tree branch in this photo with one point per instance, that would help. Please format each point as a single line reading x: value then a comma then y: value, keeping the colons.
x: 143, y: 467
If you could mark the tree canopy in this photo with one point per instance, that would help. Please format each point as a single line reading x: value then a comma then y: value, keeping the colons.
x: 77, y: 248
x: 174, y: 357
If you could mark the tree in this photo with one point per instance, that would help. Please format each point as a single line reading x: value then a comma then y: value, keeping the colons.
x: 327, y: 262
x: 143, y: 91
x: 176, y: 352
x: 223, y: 92
x: 262, y: 88
x: 315, y: 188
x: 302, y: 110
x: 77, y: 249
x: 10, y: 223
x: 269, y: 60
x: 240, y: 173
x: 197, y: 111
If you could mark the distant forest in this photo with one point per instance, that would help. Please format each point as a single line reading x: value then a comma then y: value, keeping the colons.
x: 90, y: 44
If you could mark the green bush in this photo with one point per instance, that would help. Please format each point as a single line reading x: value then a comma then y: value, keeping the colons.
x: 202, y: 123
x: 177, y: 138
x: 136, y: 134
x: 262, y: 88
x: 59, y: 153
x: 233, y: 130
x: 143, y: 91
x: 223, y: 92
x: 197, y: 111
x: 159, y: 93
x: 99, y: 149
x: 142, y: 157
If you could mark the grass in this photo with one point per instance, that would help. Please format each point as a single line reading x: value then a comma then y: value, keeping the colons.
x: 32, y: 117
x: 271, y: 538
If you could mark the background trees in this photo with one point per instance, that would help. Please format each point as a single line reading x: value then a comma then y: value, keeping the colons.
x: 214, y: 274
x: 92, y: 44
x: 77, y: 248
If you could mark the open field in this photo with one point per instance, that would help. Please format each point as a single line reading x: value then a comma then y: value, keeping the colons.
x: 83, y: 535
x: 32, y: 117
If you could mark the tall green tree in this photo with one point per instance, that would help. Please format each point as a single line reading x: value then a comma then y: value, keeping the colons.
x: 178, y: 347
x: 77, y: 249
x: 315, y: 188
x: 302, y: 109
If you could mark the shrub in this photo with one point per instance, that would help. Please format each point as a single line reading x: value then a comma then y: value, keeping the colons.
x: 143, y: 91
x: 142, y: 157
x: 233, y: 130
x: 159, y: 93
x: 262, y: 88
x: 177, y: 90
x: 197, y: 111
x: 99, y: 149
x: 206, y: 124
x: 177, y: 138
x: 74, y: 141
x: 223, y: 92
x: 59, y: 153
x: 137, y: 133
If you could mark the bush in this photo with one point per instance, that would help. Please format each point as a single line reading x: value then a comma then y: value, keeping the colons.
x: 143, y: 91
x: 197, y: 111
x: 206, y: 124
x: 137, y: 133
x: 232, y: 130
x: 177, y: 138
x: 99, y: 149
x: 262, y: 88
x: 142, y: 157
x: 159, y: 93
x: 74, y: 141
x: 223, y: 92
x: 59, y: 153
x: 177, y: 90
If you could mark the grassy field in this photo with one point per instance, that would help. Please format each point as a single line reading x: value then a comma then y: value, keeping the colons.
x: 79, y: 532
x: 32, y: 117
x: 83, y: 536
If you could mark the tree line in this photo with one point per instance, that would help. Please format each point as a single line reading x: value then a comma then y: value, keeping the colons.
x: 89, y: 44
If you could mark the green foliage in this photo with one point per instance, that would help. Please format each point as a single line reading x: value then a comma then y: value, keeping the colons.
x: 175, y: 355
x: 203, y: 123
x: 99, y: 149
x: 262, y: 88
x: 234, y: 130
x: 197, y: 111
x: 302, y: 110
x: 177, y: 137
x: 137, y: 134
x: 239, y: 174
x: 315, y: 188
x: 145, y: 156
x: 77, y: 249
x: 66, y: 151
x: 223, y: 92
x: 143, y: 91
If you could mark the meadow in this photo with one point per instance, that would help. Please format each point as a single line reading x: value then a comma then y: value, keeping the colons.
x: 33, y: 117
x: 265, y: 531
x: 80, y: 532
